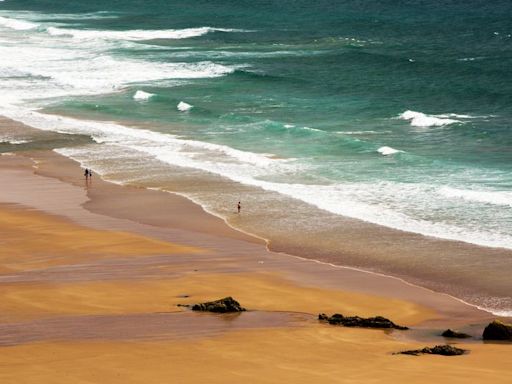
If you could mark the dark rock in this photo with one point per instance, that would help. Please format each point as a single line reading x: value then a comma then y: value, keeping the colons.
x: 356, y: 321
x: 225, y: 305
x: 498, y: 330
x: 444, y: 350
x: 455, y: 334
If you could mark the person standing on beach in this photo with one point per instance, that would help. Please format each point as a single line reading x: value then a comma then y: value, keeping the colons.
x: 239, y: 207
x: 86, y: 174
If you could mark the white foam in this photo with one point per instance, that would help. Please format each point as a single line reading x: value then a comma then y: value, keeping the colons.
x: 19, y: 25
x: 48, y: 67
x: 487, y: 197
x: 43, y: 67
x: 137, y: 34
x: 13, y: 141
x: 374, y: 202
x: 142, y: 96
x: 183, y: 107
x: 419, y: 119
x: 386, y: 151
x: 312, y: 129
x: 43, y: 70
x: 371, y: 202
x: 369, y: 132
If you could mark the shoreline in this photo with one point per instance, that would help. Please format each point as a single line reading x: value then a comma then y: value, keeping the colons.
x: 81, y: 287
x: 270, y: 248
x: 367, y: 247
x: 51, y: 165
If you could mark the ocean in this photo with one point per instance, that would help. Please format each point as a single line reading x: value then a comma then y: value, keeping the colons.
x: 395, y: 113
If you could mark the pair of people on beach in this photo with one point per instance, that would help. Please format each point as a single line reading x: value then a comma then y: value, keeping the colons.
x: 87, y: 173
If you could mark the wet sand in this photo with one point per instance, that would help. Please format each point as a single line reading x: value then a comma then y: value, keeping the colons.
x: 91, y: 275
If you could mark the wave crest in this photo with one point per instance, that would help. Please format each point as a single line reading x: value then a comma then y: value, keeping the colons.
x: 137, y: 34
x: 386, y: 151
x: 486, y: 197
x: 183, y: 107
x: 419, y: 119
x: 18, y: 25
x: 141, y: 95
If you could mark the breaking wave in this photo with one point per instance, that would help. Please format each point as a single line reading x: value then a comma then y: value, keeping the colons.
x: 137, y: 34
x: 419, y: 119
x: 487, y: 197
x: 19, y: 25
x: 386, y: 151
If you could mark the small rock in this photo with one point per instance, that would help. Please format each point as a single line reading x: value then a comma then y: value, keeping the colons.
x: 356, y: 321
x: 498, y: 330
x: 443, y: 350
x: 455, y: 334
x: 225, y: 305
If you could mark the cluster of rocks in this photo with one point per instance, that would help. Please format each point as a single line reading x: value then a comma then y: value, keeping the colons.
x: 444, y: 350
x: 225, y: 305
x: 496, y: 330
x: 356, y: 321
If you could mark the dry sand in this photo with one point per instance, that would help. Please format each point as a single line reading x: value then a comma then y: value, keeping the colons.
x: 91, y: 275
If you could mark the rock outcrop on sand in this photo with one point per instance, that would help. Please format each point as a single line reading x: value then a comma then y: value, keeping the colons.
x: 498, y: 330
x: 444, y: 350
x: 225, y: 305
x: 454, y: 334
x: 356, y: 321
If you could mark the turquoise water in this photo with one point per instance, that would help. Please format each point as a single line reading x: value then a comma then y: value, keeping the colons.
x: 396, y: 113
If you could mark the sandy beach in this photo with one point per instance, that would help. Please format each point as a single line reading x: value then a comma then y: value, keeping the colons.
x: 91, y: 274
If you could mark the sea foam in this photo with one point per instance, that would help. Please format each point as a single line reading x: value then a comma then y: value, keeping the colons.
x: 487, y: 197
x: 142, y: 96
x: 183, y: 107
x: 251, y: 168
x: 13, y: 141
x: 137, y: 34
x: 386, y: 151
x: 419, y: 119
x: 19, y: 25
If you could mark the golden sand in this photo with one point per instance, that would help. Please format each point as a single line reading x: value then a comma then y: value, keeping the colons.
x: 312, y: 354
x: 31, y: 240
x: 34, y: 245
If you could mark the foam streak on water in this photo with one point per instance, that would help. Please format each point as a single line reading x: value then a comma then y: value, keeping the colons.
x: 248, y: 168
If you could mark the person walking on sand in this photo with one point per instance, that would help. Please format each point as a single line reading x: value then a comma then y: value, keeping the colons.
x: 86, y: 174
x: 239, y: 207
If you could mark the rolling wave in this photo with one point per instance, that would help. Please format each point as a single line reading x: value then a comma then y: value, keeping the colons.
x: 19, y: 25
x: 487, y: 197
x: 375, y: 203
x: 137, y: 34
x: 386, y: 151
x: 142, y: 96
x: 419, y: 119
